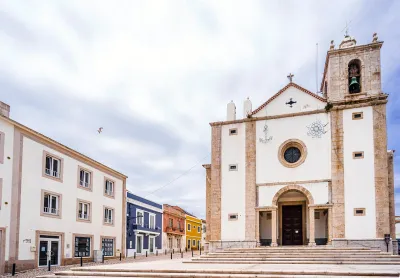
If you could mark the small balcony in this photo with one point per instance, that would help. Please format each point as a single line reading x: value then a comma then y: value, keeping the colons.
x: 147, y: 229
x: 174, y: 230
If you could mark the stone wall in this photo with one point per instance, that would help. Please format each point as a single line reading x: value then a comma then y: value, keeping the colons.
x: 369, y: 55
x: 214, y: 219
x: 218, y: 245
x: 381, y: 171
x: 367, y: 243
x: 250, y: 233
x: 338, y: 217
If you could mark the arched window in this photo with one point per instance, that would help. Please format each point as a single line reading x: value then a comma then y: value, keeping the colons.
x: 354, y: 76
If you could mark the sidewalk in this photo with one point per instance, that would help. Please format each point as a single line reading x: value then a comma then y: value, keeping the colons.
x: 142, y: 258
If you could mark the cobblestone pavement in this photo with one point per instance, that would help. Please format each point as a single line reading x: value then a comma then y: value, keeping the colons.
x: 43, y: 271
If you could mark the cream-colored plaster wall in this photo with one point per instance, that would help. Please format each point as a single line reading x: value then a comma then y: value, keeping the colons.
x: 265, y: 227
x: 320, y: 226
x: 6, y: 171
x: 359, y: 184
x: 317, y: 164
x: 33, y: 183
x: 278, y: 106
x: 233, y: 182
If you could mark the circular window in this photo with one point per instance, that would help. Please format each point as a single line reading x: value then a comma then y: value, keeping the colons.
x: 292, y: 153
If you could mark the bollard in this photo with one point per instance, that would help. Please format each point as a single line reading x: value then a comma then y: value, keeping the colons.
x: 120, y: 256
x: 156, y: 252
x: 173, y: 251
x: 181, y: 254
x: 81, y: 261
x: 200, y: 250
x: 146, y: 254
x: 165, y: 251
x: 49, y: 265
x: 13, y: 270
x: 171, y: 255
x: 192, y: 252
x: 134, y: 255
x: 102, y: 258
x: 180, y: 250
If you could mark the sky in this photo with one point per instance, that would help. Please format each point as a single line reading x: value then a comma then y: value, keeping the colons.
x: 153, y: 74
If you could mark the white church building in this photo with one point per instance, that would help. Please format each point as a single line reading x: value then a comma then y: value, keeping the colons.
x: 305, y: 168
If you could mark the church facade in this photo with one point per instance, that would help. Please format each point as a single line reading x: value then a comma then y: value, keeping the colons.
x: 304, y: 168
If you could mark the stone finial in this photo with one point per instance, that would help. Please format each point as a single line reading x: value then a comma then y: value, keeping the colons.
x: 332, y: 45
x: 375, y: 37
x: 4, y: 109
x: 247, y: 108
x: 348, y: 41
x: 231, y: 111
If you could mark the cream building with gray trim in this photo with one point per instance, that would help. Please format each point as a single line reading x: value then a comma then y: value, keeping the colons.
x: 304, y: 168
x: 55, y: 203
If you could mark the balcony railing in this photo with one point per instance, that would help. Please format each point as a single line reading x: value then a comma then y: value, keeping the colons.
x: 174, y: 229
x: 84, y: 184
x: 147, y: 227
x: 52, y: 173
x: 50, y: 210
x: 83, y: 216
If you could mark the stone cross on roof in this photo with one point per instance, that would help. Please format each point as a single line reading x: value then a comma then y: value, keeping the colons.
x: 290, y: 76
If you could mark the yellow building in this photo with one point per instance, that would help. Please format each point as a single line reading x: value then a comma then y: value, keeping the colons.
x: 193, y: 232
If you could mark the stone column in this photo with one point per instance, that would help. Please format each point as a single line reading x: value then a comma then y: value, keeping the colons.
x: 330, y: 232
x: 311, y: 217
x: 258, y: 228
x: 273, y: 227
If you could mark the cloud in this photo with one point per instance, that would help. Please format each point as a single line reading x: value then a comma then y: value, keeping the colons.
x: 155, y: 73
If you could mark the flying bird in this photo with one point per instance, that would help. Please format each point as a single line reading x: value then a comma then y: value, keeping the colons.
x: 100, y: 130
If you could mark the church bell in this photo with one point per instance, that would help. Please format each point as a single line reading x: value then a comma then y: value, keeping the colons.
x: 354, y: 85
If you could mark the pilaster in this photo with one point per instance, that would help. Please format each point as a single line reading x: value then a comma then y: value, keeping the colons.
x: 250, y: 201
x: 215, y: 188
x: 381, y: 171
x: 337, y: 168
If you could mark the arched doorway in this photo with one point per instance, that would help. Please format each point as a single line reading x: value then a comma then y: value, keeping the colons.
x: 292, y: 218
x: 293, y: 224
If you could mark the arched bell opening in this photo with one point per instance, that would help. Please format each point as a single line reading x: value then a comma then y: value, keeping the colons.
x: 354, y: 76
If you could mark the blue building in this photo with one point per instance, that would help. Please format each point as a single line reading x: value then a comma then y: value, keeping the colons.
x: 144, y: 226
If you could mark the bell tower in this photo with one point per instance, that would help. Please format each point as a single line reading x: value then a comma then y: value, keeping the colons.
x: 352, y: 71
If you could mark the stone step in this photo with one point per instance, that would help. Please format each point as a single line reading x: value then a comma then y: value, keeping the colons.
x: 303, y: 248
x: 394, y: 258
x: 220, y: 255
x: 201, y: 261
x: 389, y: 259
x: 188, y: 275
x: 267, y: 250
x: 217, y: 273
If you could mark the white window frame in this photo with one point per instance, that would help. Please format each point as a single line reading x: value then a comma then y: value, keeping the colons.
x: 139, y: 220
x: 189, y: 227
x: 194, y: 243
x: 189, y: 243
x: 49, y: 210
x: 50, y: 171
x: 198, y: 229
x: 170, y: 222
x: 109, y: 187
x: 86, y: 178
x: 82, y: 205
x: 152, y: 225
x: 107, y: 213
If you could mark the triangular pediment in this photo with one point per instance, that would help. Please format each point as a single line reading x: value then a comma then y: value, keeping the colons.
x: 290, y: 99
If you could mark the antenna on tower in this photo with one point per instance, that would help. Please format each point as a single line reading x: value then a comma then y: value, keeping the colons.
x: 316, y: 70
